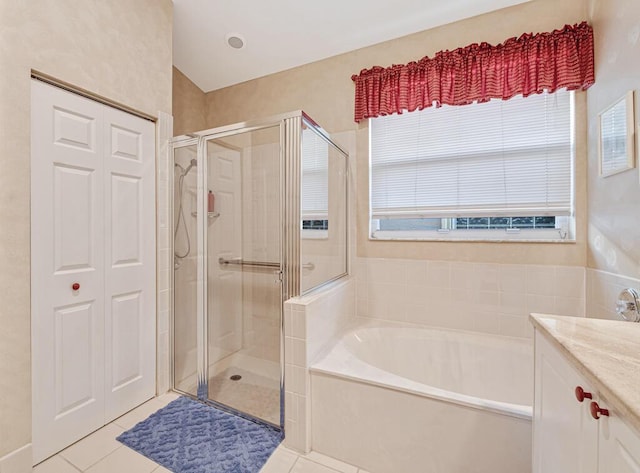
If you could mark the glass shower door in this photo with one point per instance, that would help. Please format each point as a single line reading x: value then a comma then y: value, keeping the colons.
x: 243, y: 267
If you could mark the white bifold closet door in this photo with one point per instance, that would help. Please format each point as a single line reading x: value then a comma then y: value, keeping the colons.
x: 93, y: 307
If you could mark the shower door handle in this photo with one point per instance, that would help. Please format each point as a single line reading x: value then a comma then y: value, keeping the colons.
x: 241, y: 262
x: 278, y: 277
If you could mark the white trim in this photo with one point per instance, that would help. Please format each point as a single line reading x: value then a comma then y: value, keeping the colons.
x: 473, y: 235
x: 540, y: 234
x: 561, y: 234
x: 309, y: 234
x: 18, y: 461
x: 164, y: 256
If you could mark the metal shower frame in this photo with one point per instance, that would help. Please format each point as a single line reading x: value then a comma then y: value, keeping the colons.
x: 290, y: 128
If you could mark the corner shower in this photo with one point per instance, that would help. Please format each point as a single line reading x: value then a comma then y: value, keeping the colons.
x: 259, y: 216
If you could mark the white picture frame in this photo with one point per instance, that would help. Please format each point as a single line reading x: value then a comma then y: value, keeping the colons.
x: 616, y: 137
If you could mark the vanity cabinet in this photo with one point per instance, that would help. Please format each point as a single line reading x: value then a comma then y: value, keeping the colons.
x: 567, y: 438
x: 619, y: 447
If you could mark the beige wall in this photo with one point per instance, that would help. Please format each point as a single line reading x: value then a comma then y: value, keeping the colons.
x: 188, y: 105
x: 324, y: 90
x: 614, y: 215
x: 120, y: 49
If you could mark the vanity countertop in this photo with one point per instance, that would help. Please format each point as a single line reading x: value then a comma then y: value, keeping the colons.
x: 606, y: 352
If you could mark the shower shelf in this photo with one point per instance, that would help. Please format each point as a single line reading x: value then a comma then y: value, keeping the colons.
x: 209, y: 214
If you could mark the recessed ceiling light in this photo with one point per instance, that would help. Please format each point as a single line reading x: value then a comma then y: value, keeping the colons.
x: 235, y: 40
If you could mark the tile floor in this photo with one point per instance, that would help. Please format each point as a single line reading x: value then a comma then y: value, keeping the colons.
x: 100, y: 452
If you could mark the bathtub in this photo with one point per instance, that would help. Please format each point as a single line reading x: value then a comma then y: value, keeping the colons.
x: 399, y: 399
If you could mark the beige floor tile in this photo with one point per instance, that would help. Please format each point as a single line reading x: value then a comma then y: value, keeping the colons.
x: 94, y: 447
x: 331, y: 462
x: 55, y: 464
x: 161, y: 469
x: 304, y: 465
x: 282, y: 449
x: 281, y: 461
x: 140, y: 413
x: 123, y: 460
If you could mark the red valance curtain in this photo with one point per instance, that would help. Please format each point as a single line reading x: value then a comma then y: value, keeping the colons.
x: 526, y: 65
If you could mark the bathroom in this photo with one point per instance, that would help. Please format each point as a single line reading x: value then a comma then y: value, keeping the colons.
x: 124, y: 52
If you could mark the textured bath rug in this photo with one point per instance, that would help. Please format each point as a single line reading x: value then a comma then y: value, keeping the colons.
x: 188, y: 436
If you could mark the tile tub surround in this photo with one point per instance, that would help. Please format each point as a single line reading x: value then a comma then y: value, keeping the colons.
x: 605, y: 352
x: 481, y: 297
x: 603, y: 289
x: 311, y: 323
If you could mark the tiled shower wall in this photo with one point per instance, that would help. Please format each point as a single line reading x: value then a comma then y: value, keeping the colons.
x: 602, y: 293
x: 483, y: 297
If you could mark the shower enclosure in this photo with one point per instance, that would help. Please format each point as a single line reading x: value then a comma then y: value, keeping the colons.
x: 259, y: 216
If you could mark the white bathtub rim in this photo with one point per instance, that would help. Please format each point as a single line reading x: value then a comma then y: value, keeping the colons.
x: 367, y: 322
x: 343, y: 365
x: 511, y: 410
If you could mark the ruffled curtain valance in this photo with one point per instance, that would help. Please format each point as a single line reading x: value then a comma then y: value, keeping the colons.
x: 526, y: 65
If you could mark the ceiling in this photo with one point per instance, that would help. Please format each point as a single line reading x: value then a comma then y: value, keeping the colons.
x: 281, y: 34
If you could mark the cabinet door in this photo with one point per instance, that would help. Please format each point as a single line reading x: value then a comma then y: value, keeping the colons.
x: 619, y: 446
x: 564, y: 435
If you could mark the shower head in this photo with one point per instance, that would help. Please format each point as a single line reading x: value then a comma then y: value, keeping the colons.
x: 193, y: 163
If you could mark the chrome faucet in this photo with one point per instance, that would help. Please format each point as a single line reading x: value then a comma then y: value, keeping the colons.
x: 627, y: 305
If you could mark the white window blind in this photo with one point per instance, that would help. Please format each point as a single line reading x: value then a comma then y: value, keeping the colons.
x: 315, y: 176
x: 501, y: 158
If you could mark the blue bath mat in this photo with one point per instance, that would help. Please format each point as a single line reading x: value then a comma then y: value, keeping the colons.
x: 188, y: 436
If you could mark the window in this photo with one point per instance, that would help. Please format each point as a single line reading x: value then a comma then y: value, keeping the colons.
x: 315, y: 224
x: 501, y: 170
x: 314, y: 186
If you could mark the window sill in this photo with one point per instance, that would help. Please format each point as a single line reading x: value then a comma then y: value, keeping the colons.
x: 469, y: 240
x: 449, y: 239
x: 314, y: 234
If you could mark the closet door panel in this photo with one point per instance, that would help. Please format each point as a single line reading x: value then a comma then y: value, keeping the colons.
x: 130, y: 261
x: 67, y: 268
x: 92, y: 266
